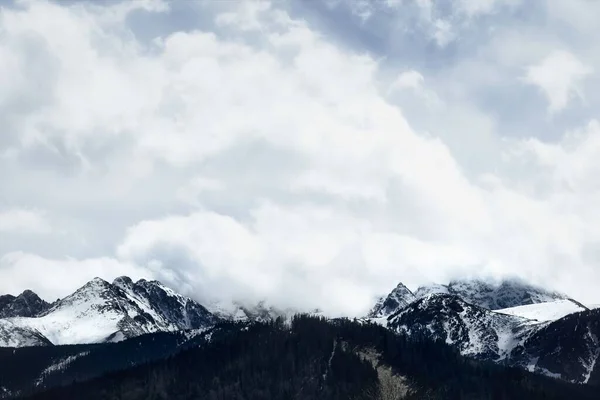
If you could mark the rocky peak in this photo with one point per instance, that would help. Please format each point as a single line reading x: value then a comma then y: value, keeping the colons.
x: 27, y: 304
x: 398, y: 298
x: 123, y: 282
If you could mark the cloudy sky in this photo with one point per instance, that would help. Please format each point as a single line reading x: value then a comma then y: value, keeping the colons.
x: 311, y: 153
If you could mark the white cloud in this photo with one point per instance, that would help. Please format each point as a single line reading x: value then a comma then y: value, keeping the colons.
x: 559, y: 77
x: 24, y: 221
x: 408, y: 80
x: 263, y: 161
x: 478, y: 7
x: 443, y: 32
x: 246, y: 17
x: 192, y: 190
x: 298, y: 256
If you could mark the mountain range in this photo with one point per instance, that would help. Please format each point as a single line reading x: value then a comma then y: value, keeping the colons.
x: 509, y: 323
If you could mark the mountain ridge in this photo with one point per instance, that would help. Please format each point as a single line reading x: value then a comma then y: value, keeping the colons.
x: 100, y: 311
x: 534, y: 334
x: 26, y: 304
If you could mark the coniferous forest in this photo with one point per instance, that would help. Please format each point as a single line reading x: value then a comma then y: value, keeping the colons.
x: 315, y: 358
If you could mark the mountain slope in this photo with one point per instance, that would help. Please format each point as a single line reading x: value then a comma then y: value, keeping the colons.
x: 475, y: 331
x: 567, y: 348
x: 31, y: 369
x: 12, y: 335
x: 100, y: 311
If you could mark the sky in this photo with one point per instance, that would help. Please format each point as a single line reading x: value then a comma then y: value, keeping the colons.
x: 312, y: 154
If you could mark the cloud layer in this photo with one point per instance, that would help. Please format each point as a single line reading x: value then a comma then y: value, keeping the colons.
x: 259, y: 152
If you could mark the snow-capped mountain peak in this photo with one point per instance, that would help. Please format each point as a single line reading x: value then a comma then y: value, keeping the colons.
x: 100, y: 311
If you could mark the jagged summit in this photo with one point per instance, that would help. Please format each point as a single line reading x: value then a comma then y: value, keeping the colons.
x: 27, y: 304
x: 399, y: 297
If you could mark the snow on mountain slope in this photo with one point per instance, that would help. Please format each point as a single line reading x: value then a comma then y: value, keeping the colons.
x: 568, y: 348
x: 399, y: 297
x: 12, y: 335
x: 541, y: 312
x: 494, y: 295
x: 473, y: 330
x: 100, y: 311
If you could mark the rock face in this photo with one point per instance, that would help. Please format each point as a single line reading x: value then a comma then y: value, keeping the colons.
x: 473, y: 330
x: 398, y: 298
x: 27, y: 304
x: 100, y: 311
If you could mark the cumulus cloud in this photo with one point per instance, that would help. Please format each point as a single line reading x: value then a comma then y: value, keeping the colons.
x: 559, y: 77
x: 254, y: 156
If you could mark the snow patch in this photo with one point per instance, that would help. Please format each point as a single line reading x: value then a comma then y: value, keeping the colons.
x: 543, y: 312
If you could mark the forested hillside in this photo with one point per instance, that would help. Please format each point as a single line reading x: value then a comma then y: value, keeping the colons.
x: 313, y: 358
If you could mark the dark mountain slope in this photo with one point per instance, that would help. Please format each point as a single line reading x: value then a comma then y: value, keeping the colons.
x: 567, y: 348
x: 27, y: 304
x: 32, y: 369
